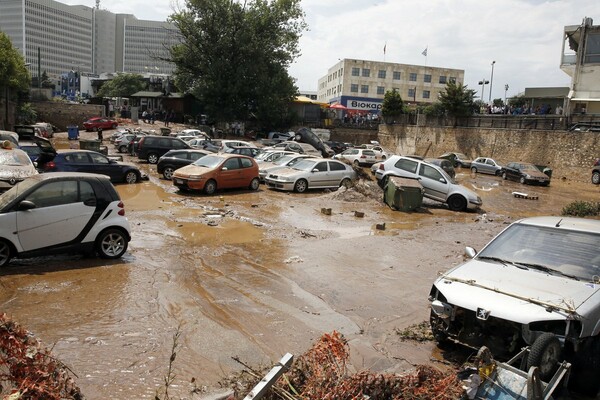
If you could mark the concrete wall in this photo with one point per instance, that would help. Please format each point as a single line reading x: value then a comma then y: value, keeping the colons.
x: 569, y: 154
x: 66, y: 114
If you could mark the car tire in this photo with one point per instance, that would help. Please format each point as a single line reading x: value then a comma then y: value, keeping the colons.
x: 545, y: 353
x: 346, y: 182
x: 474, y: 170
x: 596, y: 178
x: 254, y: 184
x: 300, y: 186
x: 436, y: 324
x: 498, y: 173
x: 5, y: 252
x: 522, y: 180
x: 210, y: 187
x: 131, y: 177
x: 122, y: 149
x: 111, y: 243
x: 153, y: 158
x: 168, y: 173
x: 298, y: 138
x: 114, y: 126
x: 356, y: 163
x: 383, y: 158
x: 94, y: 129
x: 457, y: 203
x: 504, y: 175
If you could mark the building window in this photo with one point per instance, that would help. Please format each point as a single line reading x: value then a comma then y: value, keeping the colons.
x: 396, y: 75
x: 452, y: 79
x: 592, y: 49
x: 427, y: 78
x: 381, y: 74
x: 354, y: 88
x: 412, y: 77
x: 426, y: 94
x: 364, y: 88
x: 380, y: 90
x: 442, y: 78
x: 366, y: 72
x: 355, y: 71
x: 412, y: 93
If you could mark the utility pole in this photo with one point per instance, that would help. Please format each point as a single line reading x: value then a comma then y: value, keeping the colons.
x: 491, y: 82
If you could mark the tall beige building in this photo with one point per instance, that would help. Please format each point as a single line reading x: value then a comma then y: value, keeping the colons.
x: 360, y: 85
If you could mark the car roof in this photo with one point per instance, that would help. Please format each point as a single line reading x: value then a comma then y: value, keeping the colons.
x: 567, y: 223
x: 49, y: 176
x: 66, y: 151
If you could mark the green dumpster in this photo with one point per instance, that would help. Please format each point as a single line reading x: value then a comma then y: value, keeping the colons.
x: 93, y: 145
x: 403, y: 194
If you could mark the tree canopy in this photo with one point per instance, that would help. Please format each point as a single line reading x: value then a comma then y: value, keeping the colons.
x: 13, y: 72
x: 392, y: 104
x: 457, y: 100
x: 122, y: 85
x: 234, y: 56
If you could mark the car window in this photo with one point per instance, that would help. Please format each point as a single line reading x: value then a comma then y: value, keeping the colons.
x: 99, y: 158
x: 479, y: 160
x: 407, y: 165
x: 246, y: 163
x: 431, y: 173
x: 232, y: 163
x: 489, y: 162
x: 164, y: 142
x: 86, y: 192
x: 77, y: 158
x: 54, y: 194
x: 193, y: 156
x: 149, y: 141
x: 322, y: 166
x: 368, y: 152
x: 336, y: 166
x: 178, y: 144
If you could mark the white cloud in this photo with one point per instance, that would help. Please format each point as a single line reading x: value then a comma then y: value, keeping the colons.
x: 524, y: 37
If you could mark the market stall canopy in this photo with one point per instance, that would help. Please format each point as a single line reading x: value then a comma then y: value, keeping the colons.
x: 338, y: 106
x: 307, y: 100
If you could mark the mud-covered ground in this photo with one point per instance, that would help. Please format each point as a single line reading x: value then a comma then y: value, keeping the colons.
x: 255, y: 275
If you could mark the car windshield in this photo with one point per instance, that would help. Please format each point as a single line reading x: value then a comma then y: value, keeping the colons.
x: 528, y: 167
x: 283, y: 160
x: 16, y: 190
x: 14, y: 158
x: 305, y: 165
x: 208, y: 161
x: 461, y: 156
x: 552, y: 250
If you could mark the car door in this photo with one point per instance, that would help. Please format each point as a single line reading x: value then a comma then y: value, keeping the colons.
x: 434, y: 183
x: 319, y: 177
x: 337, y: 172
x: 512, y: 172
x: 76, y: 162
x: 490, y: 166
x: 230, y: 174
x: 62, y: 211
x: 102, y: 165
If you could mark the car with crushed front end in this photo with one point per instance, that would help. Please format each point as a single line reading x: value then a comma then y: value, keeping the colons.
x: 457, y: 159
x: 62, y: 212
x: 15, y: 166
x: 218, y: 171
x: 312, y: 173
x: 535, y: 284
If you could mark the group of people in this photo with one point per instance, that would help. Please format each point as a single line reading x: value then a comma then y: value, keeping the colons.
x: 361, y: 119
x: 543, y: 109
x: 150, y: 116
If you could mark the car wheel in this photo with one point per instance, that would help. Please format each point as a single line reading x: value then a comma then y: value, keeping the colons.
x: 383, y: 158
x: 254, y: 184
x: 122, y: 149
x: 457, y: 203
x: 522, y: 180
x: 95, y: 129
x: 298, y: 138
x: 438, y: 328
x: 168, y: 173
x: 346, y: 182
x: 210, y: 187
x: 498, y: 173
x: 111, y: 243
x: 300, y: 186
x: 545, y: 353
x: 474, y: 170
x: 596, y: 178
x: 114, y: 126
x: 131, y: 177
x: 356, y: 163
x: 504, y: 175
x: 5, y: 253
x: 152, y: 158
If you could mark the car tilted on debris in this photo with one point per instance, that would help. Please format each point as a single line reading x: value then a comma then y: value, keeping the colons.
x: 537, y: 283
x: 311, y: 173
x: 61, y: 212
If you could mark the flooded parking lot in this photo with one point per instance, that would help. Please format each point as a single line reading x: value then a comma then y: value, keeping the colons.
x: 254, y: 275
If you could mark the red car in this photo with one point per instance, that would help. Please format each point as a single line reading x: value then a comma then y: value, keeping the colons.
x: 94, y: 123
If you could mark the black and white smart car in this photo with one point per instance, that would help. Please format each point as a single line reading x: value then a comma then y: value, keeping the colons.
x: 62, y: 212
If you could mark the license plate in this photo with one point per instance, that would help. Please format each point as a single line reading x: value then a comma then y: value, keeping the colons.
x: 179, y: 181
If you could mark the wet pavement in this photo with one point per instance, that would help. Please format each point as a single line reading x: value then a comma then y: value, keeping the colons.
x: 254, y: 275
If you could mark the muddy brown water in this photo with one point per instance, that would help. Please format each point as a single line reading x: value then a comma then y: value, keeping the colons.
x: 253, y: 275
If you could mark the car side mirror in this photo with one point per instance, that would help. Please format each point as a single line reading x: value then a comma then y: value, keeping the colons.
x: 315, y: 170
x: 224, y: 169
x: 470, y: 252
x: 26, y: 205
x: 442, y: 180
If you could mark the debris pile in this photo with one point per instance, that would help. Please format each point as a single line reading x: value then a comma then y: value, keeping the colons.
x: 27, y: 370
x: 359, y: 192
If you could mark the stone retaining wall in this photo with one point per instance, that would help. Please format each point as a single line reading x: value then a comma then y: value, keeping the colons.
x: 66, y: 114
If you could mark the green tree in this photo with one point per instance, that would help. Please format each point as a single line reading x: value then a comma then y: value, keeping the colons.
x: 517, y: 101
x: 392, y: 106
x: 457, y: 100
x: 13, y: 73
x: 122, y: 85
x: 234, y: 56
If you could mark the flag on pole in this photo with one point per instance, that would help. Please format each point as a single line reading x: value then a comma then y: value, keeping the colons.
x: 424, y: 52
x: 384, y: 46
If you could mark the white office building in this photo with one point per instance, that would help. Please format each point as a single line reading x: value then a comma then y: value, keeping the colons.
x: 360, y: 85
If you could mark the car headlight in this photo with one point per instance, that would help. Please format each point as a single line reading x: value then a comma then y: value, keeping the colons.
x: 527, y: 176
x: 198, y: 177
x: 286, y: 179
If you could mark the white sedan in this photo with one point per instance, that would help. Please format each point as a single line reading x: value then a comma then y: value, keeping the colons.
x: 358, y: 157
x: 312, y: 173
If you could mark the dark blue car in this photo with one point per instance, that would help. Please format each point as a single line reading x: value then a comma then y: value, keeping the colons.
x: 94, y: 162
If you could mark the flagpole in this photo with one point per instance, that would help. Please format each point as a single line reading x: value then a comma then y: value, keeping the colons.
x: 384, y: 47
x: 426, y: 53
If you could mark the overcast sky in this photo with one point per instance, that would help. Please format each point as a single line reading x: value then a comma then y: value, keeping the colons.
x: 524, y: 37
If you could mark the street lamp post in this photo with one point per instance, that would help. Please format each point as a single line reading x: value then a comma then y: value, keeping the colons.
x: 483, y: 82
x: 491, y: 82
x: 505, y: 90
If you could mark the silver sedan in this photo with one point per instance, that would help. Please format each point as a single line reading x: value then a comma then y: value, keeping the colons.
x: 312, y: 173
x: 486, y: 166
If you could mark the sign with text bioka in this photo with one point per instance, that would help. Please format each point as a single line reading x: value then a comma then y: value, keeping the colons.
x: 364, y: 105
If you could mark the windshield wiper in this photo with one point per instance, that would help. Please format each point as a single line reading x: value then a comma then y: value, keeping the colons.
x: 551, y: 271
x: 501, y: 261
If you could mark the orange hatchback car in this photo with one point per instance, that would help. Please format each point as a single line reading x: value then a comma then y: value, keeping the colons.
x: 218, y: 171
